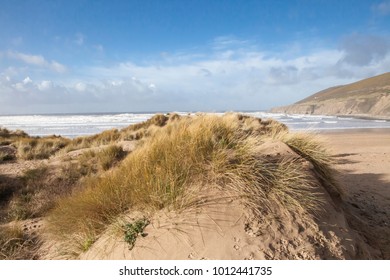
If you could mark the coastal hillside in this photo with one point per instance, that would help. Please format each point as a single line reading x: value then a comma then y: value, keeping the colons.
x: 366, y: 98
x: 175, y: 187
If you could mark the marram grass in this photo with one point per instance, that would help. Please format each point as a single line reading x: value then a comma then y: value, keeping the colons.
x: 183, y: 156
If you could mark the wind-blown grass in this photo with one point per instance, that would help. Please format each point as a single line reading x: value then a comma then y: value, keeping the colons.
x: 185, y: 156
x: 309, y: 146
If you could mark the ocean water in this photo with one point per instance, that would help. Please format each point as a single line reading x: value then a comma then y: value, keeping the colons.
x: 73, y: 125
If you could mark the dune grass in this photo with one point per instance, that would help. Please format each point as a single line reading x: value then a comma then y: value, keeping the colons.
x: 109, y: 156
x: 93, y: 161
x: 178, y: 159
x: 111, y: 137
x: 32, y: 148
x: 16, y: 245
x: 310, y: 147
x: 8, y: 136
x: 40, y: 148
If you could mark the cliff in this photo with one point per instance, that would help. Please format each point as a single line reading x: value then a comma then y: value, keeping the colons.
x: 366, y: 98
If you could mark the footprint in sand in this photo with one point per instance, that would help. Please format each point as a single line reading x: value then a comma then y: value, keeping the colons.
x: 236, y: 245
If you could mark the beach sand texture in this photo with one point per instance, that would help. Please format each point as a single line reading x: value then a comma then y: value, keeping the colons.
x: 363, y: 160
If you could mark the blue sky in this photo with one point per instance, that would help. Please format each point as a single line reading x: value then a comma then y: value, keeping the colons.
x: 105, y: 56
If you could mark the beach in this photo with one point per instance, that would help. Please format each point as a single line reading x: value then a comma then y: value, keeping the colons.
x: 325, y: 205
x: 363, y: 160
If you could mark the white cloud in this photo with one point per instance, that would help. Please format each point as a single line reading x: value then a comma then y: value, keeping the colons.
x: 25, y: 85
x: 28, y: 58
x: 45, y: 85
x: 228, y: 42
x: 37, y: 60
x: 27, y: 80
x: 80, y: 86
x: 57, y: 67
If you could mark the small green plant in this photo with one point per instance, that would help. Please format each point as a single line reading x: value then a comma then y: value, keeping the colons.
x: 133, y: 230
x: 88, y: 242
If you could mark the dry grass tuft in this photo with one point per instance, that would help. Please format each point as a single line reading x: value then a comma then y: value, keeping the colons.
x: 8, y: 136
x: 30, y: 148
x: 93, y: 161
x: 40, y: 148
x: 109, y: 156
x: 16, y: 245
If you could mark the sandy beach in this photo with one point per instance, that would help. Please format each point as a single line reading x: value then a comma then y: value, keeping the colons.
x: 363, y: 161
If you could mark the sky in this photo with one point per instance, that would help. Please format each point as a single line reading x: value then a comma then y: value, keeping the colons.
x: 83, y: 56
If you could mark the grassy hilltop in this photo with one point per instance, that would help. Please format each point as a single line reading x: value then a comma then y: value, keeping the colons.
x: 366, y: 98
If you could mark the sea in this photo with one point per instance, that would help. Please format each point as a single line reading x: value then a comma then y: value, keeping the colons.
x: 74, y: 125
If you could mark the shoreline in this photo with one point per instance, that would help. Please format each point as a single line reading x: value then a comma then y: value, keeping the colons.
x: 381, y: 130
x: 363, y: 117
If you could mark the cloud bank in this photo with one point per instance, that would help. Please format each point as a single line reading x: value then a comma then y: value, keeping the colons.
x: 229, y: 75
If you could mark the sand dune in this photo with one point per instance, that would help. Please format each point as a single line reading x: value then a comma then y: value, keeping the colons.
x: 225, y: 210
x: 355, y: 228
